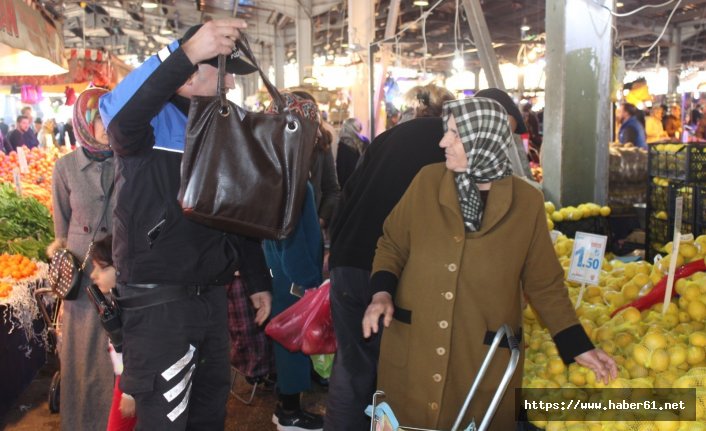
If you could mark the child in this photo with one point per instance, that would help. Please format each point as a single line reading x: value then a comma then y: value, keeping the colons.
x: 122, y: 411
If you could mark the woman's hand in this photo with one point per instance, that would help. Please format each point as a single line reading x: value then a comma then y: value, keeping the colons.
x: 601, y: 363
x: 380, y: 305
x: 262, y: 301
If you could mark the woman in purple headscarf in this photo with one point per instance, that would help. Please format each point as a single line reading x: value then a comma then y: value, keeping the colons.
x: 82, y: 182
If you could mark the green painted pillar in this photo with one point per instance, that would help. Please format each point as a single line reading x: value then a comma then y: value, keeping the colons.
x: 577, y: 120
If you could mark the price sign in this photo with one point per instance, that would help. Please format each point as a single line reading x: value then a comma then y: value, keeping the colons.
x: 22, y: 158
x: 587, y: 258
x: 16, y: 179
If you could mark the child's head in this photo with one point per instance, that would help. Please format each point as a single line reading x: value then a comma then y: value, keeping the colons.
x: 103, y: 274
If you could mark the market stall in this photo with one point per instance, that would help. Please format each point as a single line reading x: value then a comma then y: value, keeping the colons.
x: 26, y: 229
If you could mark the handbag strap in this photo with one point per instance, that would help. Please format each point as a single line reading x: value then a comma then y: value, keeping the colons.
x: 244, y: 46
x: 104, y: 212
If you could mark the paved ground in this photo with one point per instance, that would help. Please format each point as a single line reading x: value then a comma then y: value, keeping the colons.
x: 31, y: 412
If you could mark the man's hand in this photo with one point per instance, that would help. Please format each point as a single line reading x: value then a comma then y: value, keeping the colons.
x: 213, y: 38
x: 380, y: 305
x: 262, y: 301
x: 601, y: 363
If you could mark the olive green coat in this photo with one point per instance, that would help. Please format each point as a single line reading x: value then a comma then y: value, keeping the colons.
x: 458, y: 285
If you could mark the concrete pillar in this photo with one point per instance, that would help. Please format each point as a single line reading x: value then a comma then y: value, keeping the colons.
x: 279, y: 56
x: 361, y: 32
x: 577, y: 124
x: 305, y: 56
x: 476, y: 74
x: 673, y: 60
x: 481, y: 36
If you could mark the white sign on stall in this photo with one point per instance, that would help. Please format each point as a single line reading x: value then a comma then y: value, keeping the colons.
x: 587, y: 257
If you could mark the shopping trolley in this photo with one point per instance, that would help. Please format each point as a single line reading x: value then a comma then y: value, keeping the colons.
x: 504, y: 331
x: 49, y: 305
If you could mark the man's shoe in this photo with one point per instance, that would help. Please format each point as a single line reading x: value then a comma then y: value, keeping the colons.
x: 298, y: 420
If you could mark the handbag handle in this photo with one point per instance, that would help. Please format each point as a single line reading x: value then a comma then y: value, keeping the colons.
x: 104, y: 212
x: 244, y: 46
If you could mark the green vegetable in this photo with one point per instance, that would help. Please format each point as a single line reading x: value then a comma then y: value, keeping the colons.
x: 26, y: 226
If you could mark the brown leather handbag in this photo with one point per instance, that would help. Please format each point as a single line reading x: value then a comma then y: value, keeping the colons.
x: 245, y: 174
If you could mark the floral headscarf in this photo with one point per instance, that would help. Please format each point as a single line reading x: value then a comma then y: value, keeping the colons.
x: 304, y: 107
x: 485, y: 133
x: 85, y: 111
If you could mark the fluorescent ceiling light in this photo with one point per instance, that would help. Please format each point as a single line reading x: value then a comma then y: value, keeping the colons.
x: 420, y: 3
x: 149, y: 5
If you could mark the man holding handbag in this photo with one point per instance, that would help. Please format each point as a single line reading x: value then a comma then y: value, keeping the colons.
x: 171, y: 271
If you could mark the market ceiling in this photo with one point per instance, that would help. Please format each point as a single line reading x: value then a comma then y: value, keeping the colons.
x: 516, y: 27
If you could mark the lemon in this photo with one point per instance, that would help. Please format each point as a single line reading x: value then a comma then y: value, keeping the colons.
x: 578, y: 378
x: 641, y: 278
x: 605, y: 211
x: 556, y: 366
x: 688, y: 250
x: 624, y: 339
x: 630, y: 291
x: 631, y: 314
x: 641, y: 354
x: 696, y: 310
x: 549, y: 207
x: 695, y: 355
x: 557, y: 217
x: 636, y: 371
x: 550, y: 224
x: 692, y: 291
x: 659, y: 360
x: 655, y: 340
x: 697, y: 338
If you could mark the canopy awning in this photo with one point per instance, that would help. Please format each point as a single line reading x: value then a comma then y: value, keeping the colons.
x: 25, y: 31
x: 85, y: 65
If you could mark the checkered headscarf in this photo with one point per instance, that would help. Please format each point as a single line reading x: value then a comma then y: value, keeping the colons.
x: 485, y: 133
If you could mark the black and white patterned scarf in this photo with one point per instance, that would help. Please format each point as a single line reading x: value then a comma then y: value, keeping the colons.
x: 485, y: 133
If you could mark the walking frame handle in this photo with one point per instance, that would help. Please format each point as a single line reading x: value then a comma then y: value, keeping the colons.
x: 506, y: 331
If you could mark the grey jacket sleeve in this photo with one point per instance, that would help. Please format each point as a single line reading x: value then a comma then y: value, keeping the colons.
x: 61, y: 195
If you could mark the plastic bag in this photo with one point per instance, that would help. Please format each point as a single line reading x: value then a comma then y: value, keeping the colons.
x: 322, y: 365
x: 307, y: 325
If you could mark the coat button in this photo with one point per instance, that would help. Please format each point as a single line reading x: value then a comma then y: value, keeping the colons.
x: 440, y: 351
x: 443, y: 324
x: 86, y: 229
x: 449, y: 295
x: 458, y: 238
x: 452, y: 267
x: 434, y: 406
x: 436, y: 377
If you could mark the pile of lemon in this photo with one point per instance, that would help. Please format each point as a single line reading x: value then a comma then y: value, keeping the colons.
x: 571, y: 213
x: 653, y: 350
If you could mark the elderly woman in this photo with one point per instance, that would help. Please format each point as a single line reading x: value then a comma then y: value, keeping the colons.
x: 82, y: 182
x: 458, y: 251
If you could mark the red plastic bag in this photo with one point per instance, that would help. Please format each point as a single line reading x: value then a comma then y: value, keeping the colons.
x: 307, y: 325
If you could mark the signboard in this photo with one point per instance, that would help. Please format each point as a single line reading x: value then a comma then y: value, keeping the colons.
x: 24, y: 28
x: 587, y: 258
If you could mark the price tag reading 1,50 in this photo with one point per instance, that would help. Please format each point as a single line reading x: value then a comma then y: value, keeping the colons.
x: 587, y: 258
